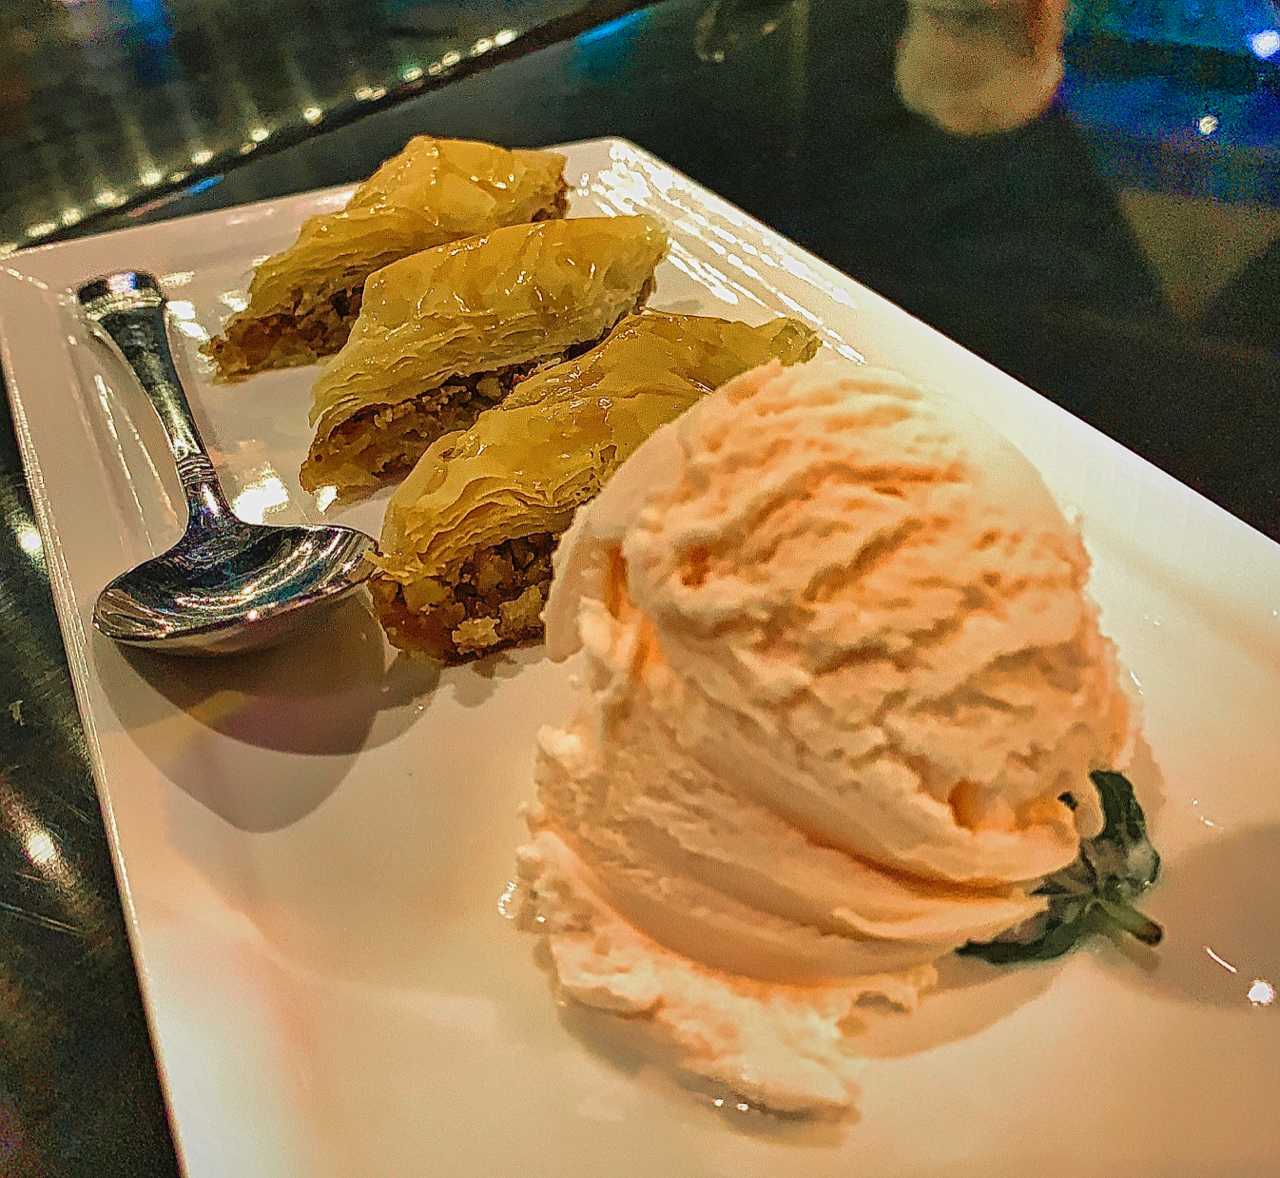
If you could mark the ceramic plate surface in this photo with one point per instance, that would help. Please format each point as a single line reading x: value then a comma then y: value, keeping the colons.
x: 313, y: 843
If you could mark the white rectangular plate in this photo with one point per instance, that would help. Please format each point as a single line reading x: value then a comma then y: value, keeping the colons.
x: 312, y: 843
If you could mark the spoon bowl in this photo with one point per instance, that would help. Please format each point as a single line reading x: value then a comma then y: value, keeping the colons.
x: 243, y: 591
x: 227, y: 585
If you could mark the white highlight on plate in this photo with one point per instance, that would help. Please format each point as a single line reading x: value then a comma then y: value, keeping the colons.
x: 1262, y: 992
x: 1225, y: 964
x: 260, y: 497
x: 184, y: 313
x: 1206, y: 821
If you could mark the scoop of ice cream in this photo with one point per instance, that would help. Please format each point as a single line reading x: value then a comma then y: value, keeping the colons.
x: 843, y: 688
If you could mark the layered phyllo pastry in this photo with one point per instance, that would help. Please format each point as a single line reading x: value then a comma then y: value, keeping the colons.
x: 303, y: 301
x: 465, y: 554
x: 447, y: 333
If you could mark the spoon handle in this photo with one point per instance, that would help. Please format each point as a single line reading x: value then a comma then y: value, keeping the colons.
x: 127, y: 311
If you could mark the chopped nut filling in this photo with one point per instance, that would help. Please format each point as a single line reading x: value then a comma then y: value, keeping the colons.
x: 495, y: 601
x: 286, y: 340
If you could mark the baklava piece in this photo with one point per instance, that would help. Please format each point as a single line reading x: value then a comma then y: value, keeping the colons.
x: 303, y: 301
x: 446, y: 333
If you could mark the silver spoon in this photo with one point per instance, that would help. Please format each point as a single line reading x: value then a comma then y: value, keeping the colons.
x: 226, y: 585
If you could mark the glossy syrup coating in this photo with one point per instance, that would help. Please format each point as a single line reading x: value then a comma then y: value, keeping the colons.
x: 521, y: 295
x: 433, y: 192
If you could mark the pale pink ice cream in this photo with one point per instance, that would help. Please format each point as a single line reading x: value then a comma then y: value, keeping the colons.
x: 839, y: 670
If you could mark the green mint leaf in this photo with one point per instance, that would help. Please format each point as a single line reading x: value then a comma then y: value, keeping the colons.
x: 1122, y: 852
x: 1095, y: 893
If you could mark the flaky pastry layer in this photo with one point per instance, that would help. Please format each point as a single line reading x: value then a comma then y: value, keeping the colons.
x: 304, y: 300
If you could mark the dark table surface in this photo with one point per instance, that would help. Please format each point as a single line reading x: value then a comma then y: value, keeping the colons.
x: 1118, y: 253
